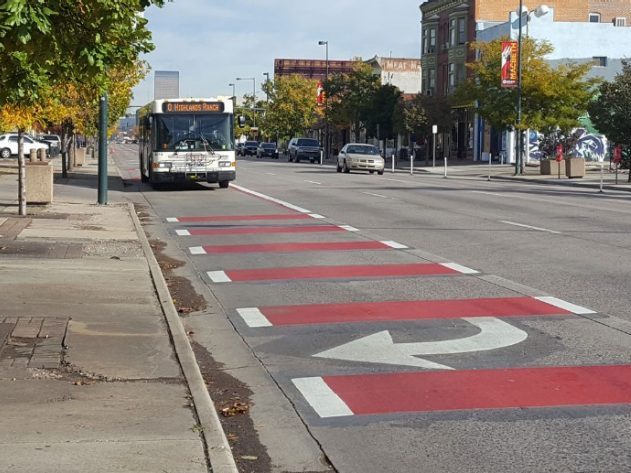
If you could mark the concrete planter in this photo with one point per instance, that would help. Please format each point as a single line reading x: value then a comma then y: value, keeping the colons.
x: 79, y: 157
x: 39, y: 182
x: 550, y: 167
x: 575, y: 167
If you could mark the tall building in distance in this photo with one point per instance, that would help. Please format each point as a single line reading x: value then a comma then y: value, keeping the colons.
x: 166, y: 85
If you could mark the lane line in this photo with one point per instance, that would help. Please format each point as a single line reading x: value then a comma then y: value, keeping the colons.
x: 397, y: 180
x: 459, y: 268
x: 183, y: 233
x: 271, y: 199
x: 172, y: 220
x: 218, y: 276
x: 322, y: 398
x: 314, y: 182
x: 376, y: 195
x: 394, y: 244
x: 197, y: 250
x: 561, y: 304
x: 530, y: 227
x: 253, y: 317
x: 348, y: 228
x: 317, y: 216
x: 487, y: 193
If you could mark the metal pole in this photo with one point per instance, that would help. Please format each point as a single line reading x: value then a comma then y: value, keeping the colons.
x: 326, y: 101
x: 266, y: 74
x: 393, y: 164
x: 412, y: 163
x: 601, y: 177
x: 445, y: 173
x: 254, y: 101
x: 519, y: 92
x: 489, y: 166
x: 434, y: 152
x: 102, y: 191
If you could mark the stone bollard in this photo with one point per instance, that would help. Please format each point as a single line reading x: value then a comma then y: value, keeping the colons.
x: 42, y: 154
x: 32, y: 155
x: 79, y: 157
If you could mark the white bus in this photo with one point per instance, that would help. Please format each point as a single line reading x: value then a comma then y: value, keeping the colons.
x: 187, y: 140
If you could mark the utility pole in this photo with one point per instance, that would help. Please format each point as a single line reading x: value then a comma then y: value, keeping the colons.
x: 102, y: 170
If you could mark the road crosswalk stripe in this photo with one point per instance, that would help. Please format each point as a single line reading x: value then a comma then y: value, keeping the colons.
x: 292, y: 247
x: 321, y: 397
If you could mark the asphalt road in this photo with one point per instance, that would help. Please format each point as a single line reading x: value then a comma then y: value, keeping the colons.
x: 489, y: 333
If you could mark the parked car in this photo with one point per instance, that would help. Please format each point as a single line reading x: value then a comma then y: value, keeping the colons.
x: 249, y: 148
x: 267, y: 150
x: 53, y: 142
x: 303, y: 148
x: 360, y: 157
x: 9, y: 145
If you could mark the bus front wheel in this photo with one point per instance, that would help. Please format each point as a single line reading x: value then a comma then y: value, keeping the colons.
x: 224, y: 184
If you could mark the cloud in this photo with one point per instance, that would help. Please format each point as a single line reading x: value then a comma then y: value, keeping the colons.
x: 212, y: 42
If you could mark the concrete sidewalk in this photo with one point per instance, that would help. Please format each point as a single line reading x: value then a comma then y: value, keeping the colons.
x: 96, y: 373
x: 466, y: 169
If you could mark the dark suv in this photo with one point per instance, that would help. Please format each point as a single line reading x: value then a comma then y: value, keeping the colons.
x: 249, y: 148
x: 303, y: 148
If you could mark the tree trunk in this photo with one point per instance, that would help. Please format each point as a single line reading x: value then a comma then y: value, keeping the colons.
x: 21, y: 174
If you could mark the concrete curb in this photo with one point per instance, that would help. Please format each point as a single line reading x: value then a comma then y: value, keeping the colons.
x: 219, y: 451
x: 587, y: 185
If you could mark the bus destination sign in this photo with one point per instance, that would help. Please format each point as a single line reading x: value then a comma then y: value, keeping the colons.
x: 192, y: 107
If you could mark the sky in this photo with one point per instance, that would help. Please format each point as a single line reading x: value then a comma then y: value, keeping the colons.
x: 212, y: 42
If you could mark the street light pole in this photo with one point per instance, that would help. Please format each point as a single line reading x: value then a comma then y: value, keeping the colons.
x: 253, y: 79
x: 266, y: 74
x: 519, y: 143
x: 326, y: 98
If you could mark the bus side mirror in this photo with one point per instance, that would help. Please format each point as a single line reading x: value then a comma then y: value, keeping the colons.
x: 241, y: 121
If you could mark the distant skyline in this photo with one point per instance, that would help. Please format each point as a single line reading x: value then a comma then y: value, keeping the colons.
x: 211, y: 43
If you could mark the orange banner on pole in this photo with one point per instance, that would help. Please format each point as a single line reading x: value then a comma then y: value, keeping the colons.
x: 509, y: 73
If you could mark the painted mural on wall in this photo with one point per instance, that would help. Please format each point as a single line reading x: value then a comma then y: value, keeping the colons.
x: 590, y: 145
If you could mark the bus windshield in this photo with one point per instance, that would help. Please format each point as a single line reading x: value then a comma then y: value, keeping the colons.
x: 193, y: 132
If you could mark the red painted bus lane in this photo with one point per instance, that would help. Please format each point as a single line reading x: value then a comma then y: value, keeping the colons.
x: 227, y: 218
x: 261, y: 230
x: 335, y: 396
x: 296, y: 247
x: 313, y: 314
x: 338, y: 272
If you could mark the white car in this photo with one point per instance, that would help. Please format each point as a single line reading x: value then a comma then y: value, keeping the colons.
x: 9, y: 145
x: 360, y: 157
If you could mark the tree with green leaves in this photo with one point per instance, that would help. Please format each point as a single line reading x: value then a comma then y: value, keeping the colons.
x: 350, y: 97
x: 609, y: 111
x: 48, y: 44
x: 292, y: 108
x: 552, y: 98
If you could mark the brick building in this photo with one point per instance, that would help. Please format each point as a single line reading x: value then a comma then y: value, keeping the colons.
x: 449, y: 26
x: 310, y: 68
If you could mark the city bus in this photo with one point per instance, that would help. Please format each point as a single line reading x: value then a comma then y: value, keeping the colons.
x: 187, y: 139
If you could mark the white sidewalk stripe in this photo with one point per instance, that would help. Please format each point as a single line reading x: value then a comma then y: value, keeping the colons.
x: 172, y: 220
x: 317, y: 216
x: 322, y: 398
x: 394, y: 244
x: 272, y: 199
x: 254, y: 317
x: 561, y: 304
x: 218, y: 276
x: 348, y: 228
x: 183, y: 232
x: 197, y: 250
x: 459, y: 268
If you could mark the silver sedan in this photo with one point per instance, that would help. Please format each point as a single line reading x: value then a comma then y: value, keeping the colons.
x: 360, y: 157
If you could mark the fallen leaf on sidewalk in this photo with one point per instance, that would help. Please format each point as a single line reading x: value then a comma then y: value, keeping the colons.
x: 235, y: 409
x: 185, y: 310
x: 249, y: 457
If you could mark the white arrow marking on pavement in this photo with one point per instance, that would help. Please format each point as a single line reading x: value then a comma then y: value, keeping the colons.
x: 380, y: 348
